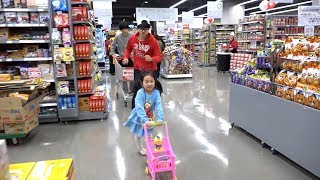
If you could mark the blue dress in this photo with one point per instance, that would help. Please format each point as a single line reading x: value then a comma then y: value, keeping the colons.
x: 145, y: 105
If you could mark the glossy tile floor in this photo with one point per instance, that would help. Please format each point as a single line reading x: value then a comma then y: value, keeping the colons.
x: 205, y: 145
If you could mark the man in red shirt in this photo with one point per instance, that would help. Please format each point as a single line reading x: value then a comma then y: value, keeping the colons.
x: 146, y: 54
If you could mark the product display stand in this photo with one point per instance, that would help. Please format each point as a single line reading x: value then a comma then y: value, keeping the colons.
x: 197, y: 44
x: 286, y: 126
x: 177, y: 63
x: 102, y: 59
x: 76, y: 76
x: 25, y: 42
x: 251, y: 34
x: 209, y: 46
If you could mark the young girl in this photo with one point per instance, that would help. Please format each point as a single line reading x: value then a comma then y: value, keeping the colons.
x: 147, y: 102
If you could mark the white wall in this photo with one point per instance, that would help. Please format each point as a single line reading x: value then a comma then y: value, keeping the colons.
x: 232, y: 13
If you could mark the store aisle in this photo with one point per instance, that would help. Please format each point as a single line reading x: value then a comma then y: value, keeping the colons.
x: 205, y: 146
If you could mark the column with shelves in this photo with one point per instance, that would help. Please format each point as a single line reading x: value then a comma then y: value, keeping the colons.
x: 79, y: 97
x: 25, y: 54
x: 209, y: 46
x: 251, y: 34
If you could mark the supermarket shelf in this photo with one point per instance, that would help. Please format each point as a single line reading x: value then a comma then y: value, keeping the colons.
x: 90, y: 75
x: 48, y: 104
x: 49, y: 80
x: 25, y: 59
x: 251, y: 22
x: 83, y: 58
x: 26, y: 42
x: 85, y: 115
x: 84, y: 41
x: 48, y: 118
x: 66, y: 78
x: 67, y: 94
x: 251, y: 31
x: 82, y: 22
x: 225, y: 29
x: 250, y: 40
x: 228, y: 33
x: 68, y: 113
x: 247, y: 50
x: 93, y: 90
x: 23, y: 25
x: 286, y: 26
x: 288, y: 34
x: 23, y: 10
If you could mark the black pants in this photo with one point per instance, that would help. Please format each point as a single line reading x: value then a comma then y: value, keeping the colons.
x: 138, y: 85
x: 112, y: 67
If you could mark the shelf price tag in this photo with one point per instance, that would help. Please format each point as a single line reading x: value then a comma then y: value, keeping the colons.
x: 309, y: 30
x: 309, y: 15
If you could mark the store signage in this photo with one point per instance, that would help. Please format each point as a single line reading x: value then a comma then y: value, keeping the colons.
x: 187, y: 17
x: 103, y: 10
x: 282, y: 1
x: 309, y: 30
x: 157, y: 14
x: 309, y: 15
x: 197, y: 23
x: 161, y: 29
x: 214, y: 9
x: 128, y: 74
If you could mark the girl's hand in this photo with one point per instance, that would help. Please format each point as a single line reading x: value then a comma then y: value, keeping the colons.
x: 149, y: 124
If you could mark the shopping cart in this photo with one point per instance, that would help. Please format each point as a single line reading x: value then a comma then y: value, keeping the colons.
x: 160, y: 157
x: 125, y: 80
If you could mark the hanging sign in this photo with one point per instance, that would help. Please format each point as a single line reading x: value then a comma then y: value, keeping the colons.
x: 157, y: 14
x: 161, y: 29
x: 309, y: 30
x: 282, y: 1
x: 309, y: 15
x: 187, y: 17
x: 197, y: 23
x: 214, y: 9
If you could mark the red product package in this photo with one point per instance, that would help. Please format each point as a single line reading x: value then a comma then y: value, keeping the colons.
x: 77, y: 50
x: 75, y: 32
x: 88, y: 68
x: 80, y: 50
x: 84, y: 14
x: 81, y: 68
x: 89, y: 85
x: 86, y: 33
x: 79, y: 86
x: 82, y: 32
x: 77, y: 13
x: 61, y: 20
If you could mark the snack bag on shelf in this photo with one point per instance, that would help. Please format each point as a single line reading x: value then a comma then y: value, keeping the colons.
x: 281, y: 77
x: 66, y: 37
x: 58, y: 54
x: 61, y: 20
x: 59, y: 5
x: 63, y: 87
x: 61, y: 70
x: 67, y: 54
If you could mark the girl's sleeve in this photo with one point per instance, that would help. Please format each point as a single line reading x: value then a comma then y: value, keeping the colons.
x: 139, y: 105
x: 158, y: 108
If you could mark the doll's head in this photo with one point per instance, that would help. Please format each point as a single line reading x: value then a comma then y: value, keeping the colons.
x: 148, y: 81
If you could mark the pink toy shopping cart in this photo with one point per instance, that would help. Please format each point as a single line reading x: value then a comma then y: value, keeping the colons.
x: 160, y: 157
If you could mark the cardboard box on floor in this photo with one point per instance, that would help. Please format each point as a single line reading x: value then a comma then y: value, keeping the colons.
x: 21, y: 171
x: 16, y: 110
x: 84, y: 104
x: 22, y: 127
x: 53, y: 170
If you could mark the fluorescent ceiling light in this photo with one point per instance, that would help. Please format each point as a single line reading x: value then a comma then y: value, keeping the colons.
x: 178, y: 3
x: 146, y: 2
x: 280, y: 12
x: 282, y: 7
x: 247, y: 2
x: 198, y: 8
x: 202, y: 15
x: 249, y: 9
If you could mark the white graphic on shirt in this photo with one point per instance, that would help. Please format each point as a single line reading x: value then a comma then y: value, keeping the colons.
x: 141, y: 49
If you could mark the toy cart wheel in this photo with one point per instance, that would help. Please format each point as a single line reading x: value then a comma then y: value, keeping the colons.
x: 125, y: 104
x: 273, y: 151
x: 263, y: 144
x: 14, y: 141
x: 117, y: 95
x: 146, y: 171
x: 232, y: 125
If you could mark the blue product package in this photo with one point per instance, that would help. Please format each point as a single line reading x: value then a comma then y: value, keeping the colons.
x: 65, y: 102
x: 73, y: 102
x: 69, y: 105
x: 59, y: 5
x: 60, y: 103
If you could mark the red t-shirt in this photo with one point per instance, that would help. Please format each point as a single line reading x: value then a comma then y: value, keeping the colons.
x: 233, y: 44
x: 141, y: 48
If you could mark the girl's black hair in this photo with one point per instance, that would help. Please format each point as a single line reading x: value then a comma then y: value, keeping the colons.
x: 147, y: 73
x: 158, y: 85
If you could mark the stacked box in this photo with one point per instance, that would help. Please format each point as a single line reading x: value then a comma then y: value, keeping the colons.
x: 21, y: 171
x: 19, y: 116
x: 239, y: 60
x: 55, y: 169
x: 4, y: 161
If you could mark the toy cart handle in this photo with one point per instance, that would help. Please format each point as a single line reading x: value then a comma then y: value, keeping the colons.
x: 155, y: 125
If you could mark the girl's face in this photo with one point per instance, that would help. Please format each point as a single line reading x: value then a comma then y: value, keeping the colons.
x: 148, y: 83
